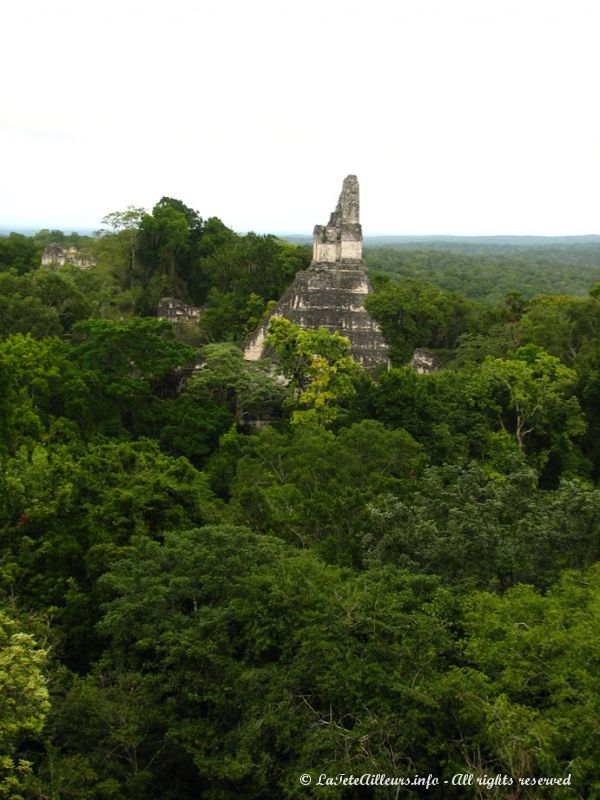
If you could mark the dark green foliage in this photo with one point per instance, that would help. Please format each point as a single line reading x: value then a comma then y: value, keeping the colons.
x: 20, y: 253
x: 312, y: 488
x: 44, y: 303
x: 243, y: 276
x: 46, y: 397
x: 435, y: 409
x: 466, y: 526
x: 132, y: 366
x: 45, y: 237
x: 248, y: 390
x: 566, y: 327
x: 498, y: 341
x: 530, y: 688
x: 413, y: 314
x: 371, y: 617
x: 67, y: 513
x: 488, y: 274
x: 263, y: 658
x: 200, y: 262
x: 527, y: 400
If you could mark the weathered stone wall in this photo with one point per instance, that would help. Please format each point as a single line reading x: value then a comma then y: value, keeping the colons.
x: 176, y: 311
x: 54, y: 254
x: 332, y: 291
x: 424, y: 362
x: 341, y: 238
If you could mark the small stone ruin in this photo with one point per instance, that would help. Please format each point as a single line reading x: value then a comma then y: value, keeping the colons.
x: 176, y: 311
x: 55, y: 255
x: 424, y: 362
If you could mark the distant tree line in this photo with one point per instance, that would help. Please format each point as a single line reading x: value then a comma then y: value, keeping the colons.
x: 488, y: 273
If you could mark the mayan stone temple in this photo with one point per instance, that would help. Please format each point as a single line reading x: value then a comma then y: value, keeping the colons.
x: 331, y: 292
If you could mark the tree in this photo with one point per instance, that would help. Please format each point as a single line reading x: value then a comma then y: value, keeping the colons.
x: 563, y: 326
x: 125, y: 226
x: 47, y: 396
x: 242, y: 276
x: 470, y: 527
x: 319, y: 367
x: 67, y: 513
x: 267, y: 662
x: 531, y: 704
x: 435, y: 409
x: 22, y: 311
x: 413, y: 314
x: 247, y: 389
x: 532, y: 397
x: 473, y: 348
x: 165, y: 241
x: 19, y: 253
x: 313, y: 488
x: 43, y: 303
x: 132, y: 366
x: 24, y: 702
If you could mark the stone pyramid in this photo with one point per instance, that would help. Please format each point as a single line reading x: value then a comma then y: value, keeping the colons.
x: 331, y: 292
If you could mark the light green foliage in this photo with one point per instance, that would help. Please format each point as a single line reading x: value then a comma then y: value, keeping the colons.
x: 319, y: 367
x: 23, y: 703
x: 118, y: 245
x: 116, y: 267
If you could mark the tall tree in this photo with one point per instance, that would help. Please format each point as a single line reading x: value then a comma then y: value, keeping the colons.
x: 125, y: 225
x: 320, y: 368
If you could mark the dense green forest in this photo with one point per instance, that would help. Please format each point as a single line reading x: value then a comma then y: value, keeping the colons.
x: 214, y: 581
x: 486, y: 271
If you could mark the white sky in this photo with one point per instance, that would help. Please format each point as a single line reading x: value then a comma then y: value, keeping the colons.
x: 458, y: 116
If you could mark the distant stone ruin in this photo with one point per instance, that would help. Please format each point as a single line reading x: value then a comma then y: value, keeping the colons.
x: 331, y: 292
x: 55, y: 255
x: 424, y: 362
x: 175, y: 311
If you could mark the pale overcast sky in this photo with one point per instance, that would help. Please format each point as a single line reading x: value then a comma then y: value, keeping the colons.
x: 458, y: 116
